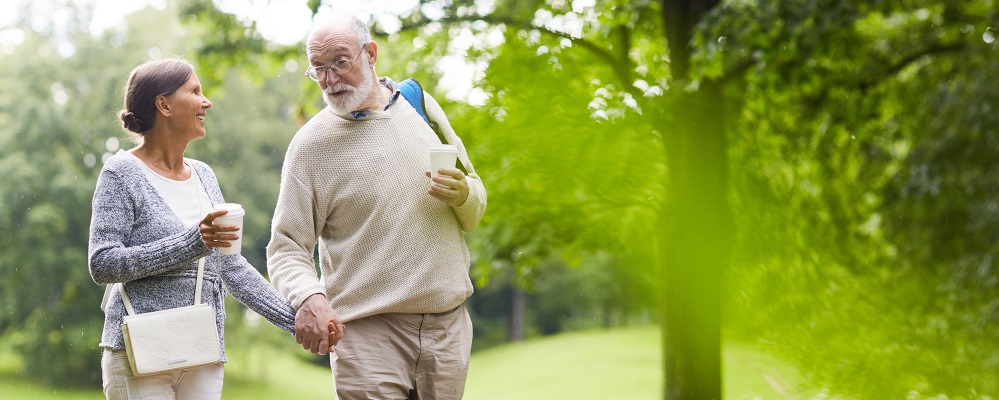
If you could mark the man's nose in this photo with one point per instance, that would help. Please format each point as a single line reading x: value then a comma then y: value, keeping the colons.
x: 331, y: 78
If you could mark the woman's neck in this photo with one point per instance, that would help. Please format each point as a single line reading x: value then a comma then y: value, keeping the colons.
x: 163, y: 156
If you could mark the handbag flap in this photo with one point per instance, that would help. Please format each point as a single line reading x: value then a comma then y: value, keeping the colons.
x: 171, y: 339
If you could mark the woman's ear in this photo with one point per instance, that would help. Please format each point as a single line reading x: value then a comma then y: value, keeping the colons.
x: 163, y: 106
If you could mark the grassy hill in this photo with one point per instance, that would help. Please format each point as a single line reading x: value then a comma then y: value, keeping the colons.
x: 618, y: 363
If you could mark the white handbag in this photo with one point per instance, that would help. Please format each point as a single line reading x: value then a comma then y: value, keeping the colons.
x: 172, y: 339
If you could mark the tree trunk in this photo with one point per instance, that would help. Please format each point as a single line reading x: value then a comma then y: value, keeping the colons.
x: 696, y: 220
x: 517, y: 299
x: 697, y: 227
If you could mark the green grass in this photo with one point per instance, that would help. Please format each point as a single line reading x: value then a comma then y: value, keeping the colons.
x: 14, y: 387
x: 618, y: 363
x: 268, y: 372
x: 613, y: 364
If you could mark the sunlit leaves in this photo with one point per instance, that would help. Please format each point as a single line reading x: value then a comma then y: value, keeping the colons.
x: 865, y: 114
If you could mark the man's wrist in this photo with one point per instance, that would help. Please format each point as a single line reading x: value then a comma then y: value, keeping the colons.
x: 317, y: 297
x: 312, y: 297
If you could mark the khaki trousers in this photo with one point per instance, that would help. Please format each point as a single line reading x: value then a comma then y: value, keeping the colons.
x: 198, y: 383
x: 404, y: 356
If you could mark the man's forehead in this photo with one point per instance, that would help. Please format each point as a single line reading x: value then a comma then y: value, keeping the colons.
x: 332, y: 35
x: 330, y: 45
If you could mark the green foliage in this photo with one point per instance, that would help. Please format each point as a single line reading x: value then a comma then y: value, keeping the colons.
x: 50, y: 305
x: 562, y: 179
x: 848, y: 112
x: 224, y: 42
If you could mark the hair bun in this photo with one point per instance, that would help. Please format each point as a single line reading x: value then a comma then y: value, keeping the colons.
x: 131, y: 122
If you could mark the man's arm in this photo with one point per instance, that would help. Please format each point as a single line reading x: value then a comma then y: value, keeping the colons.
x: 469, y: 211
x: 291, y: 266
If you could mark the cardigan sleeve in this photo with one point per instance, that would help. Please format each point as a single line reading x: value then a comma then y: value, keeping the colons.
x: 240, y: 278
x: 111, y: 256
x: 470, y: 212
x: 251, y: 289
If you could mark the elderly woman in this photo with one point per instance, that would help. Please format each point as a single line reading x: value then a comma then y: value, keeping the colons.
x: 152, y: 223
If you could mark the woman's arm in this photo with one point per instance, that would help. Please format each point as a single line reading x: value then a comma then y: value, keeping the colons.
x: 111, y: 260
x: 250, y: 288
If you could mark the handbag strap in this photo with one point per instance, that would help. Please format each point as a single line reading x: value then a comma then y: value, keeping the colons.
x: 197, y: 289
x: 197, y: 286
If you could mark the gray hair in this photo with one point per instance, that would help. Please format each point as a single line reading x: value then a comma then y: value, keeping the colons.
x: 362, y: 32
x: 360, y: 29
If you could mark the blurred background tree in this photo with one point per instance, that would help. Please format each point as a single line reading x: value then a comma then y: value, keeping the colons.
x: 858, y: 137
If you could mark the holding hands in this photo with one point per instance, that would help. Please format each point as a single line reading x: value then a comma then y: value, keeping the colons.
x: 317, y: 326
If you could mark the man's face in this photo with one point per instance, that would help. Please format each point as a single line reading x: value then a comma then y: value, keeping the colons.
x: 342, y: 96
x: 345, y: 91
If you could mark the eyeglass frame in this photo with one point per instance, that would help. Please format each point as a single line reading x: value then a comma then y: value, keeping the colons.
x: 330, y: 67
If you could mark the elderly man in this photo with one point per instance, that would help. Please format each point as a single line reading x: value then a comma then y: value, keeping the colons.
x: 392, y: 254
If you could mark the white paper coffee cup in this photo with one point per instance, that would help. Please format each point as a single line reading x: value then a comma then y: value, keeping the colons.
x: 442, y: 156
x: 234, y: 217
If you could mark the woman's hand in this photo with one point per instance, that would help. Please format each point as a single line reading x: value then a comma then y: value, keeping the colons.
x: 214, y: 235
x: 336, y: 332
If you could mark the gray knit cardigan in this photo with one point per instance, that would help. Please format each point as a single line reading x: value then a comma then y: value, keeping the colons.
x: 136, y: 238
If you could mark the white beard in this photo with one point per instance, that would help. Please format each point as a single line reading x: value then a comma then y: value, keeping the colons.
x: 351, y: 100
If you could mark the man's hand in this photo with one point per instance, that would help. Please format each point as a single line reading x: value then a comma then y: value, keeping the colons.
x: 449, y: 186
x: 312, y: 324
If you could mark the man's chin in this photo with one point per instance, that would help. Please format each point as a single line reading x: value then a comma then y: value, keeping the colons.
x: 338, y: 106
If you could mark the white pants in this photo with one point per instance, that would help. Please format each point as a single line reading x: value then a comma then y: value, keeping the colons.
x: 119, y: 384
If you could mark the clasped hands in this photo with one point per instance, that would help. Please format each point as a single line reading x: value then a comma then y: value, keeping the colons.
x: 317, y: 326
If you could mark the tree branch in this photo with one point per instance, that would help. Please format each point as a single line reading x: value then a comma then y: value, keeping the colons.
x: 911, y: 58
x: 620, y: 63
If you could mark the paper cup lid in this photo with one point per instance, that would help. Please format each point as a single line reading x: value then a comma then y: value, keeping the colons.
x: 443, y: 147
x: 235, y: 209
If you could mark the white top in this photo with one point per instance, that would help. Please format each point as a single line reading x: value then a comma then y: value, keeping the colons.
x: 179, y: 195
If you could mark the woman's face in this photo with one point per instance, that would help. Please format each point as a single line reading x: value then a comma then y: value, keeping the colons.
x: 188, y: 106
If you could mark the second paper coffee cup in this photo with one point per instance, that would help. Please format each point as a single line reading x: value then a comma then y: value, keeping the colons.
x: 234, y: 217
x: 442, y: 156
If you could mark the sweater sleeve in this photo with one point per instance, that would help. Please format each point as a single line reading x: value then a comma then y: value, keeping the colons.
x: 111, y: 259
x: 251, y: 289
x: 294, y: 233
x: 470, y: 212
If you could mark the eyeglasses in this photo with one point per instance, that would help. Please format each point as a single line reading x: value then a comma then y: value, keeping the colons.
x: 339, y: 67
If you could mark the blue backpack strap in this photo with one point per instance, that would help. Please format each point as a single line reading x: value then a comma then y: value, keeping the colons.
x: 413, y: 93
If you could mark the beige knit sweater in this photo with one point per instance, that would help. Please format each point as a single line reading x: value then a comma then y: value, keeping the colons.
x: 357, y: 189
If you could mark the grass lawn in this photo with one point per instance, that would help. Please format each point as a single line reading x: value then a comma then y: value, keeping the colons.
x: 618, y: 363
x: 275, y: 373
x: 612, y: 364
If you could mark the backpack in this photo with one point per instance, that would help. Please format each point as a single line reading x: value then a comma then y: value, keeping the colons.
x: 413, y: 93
